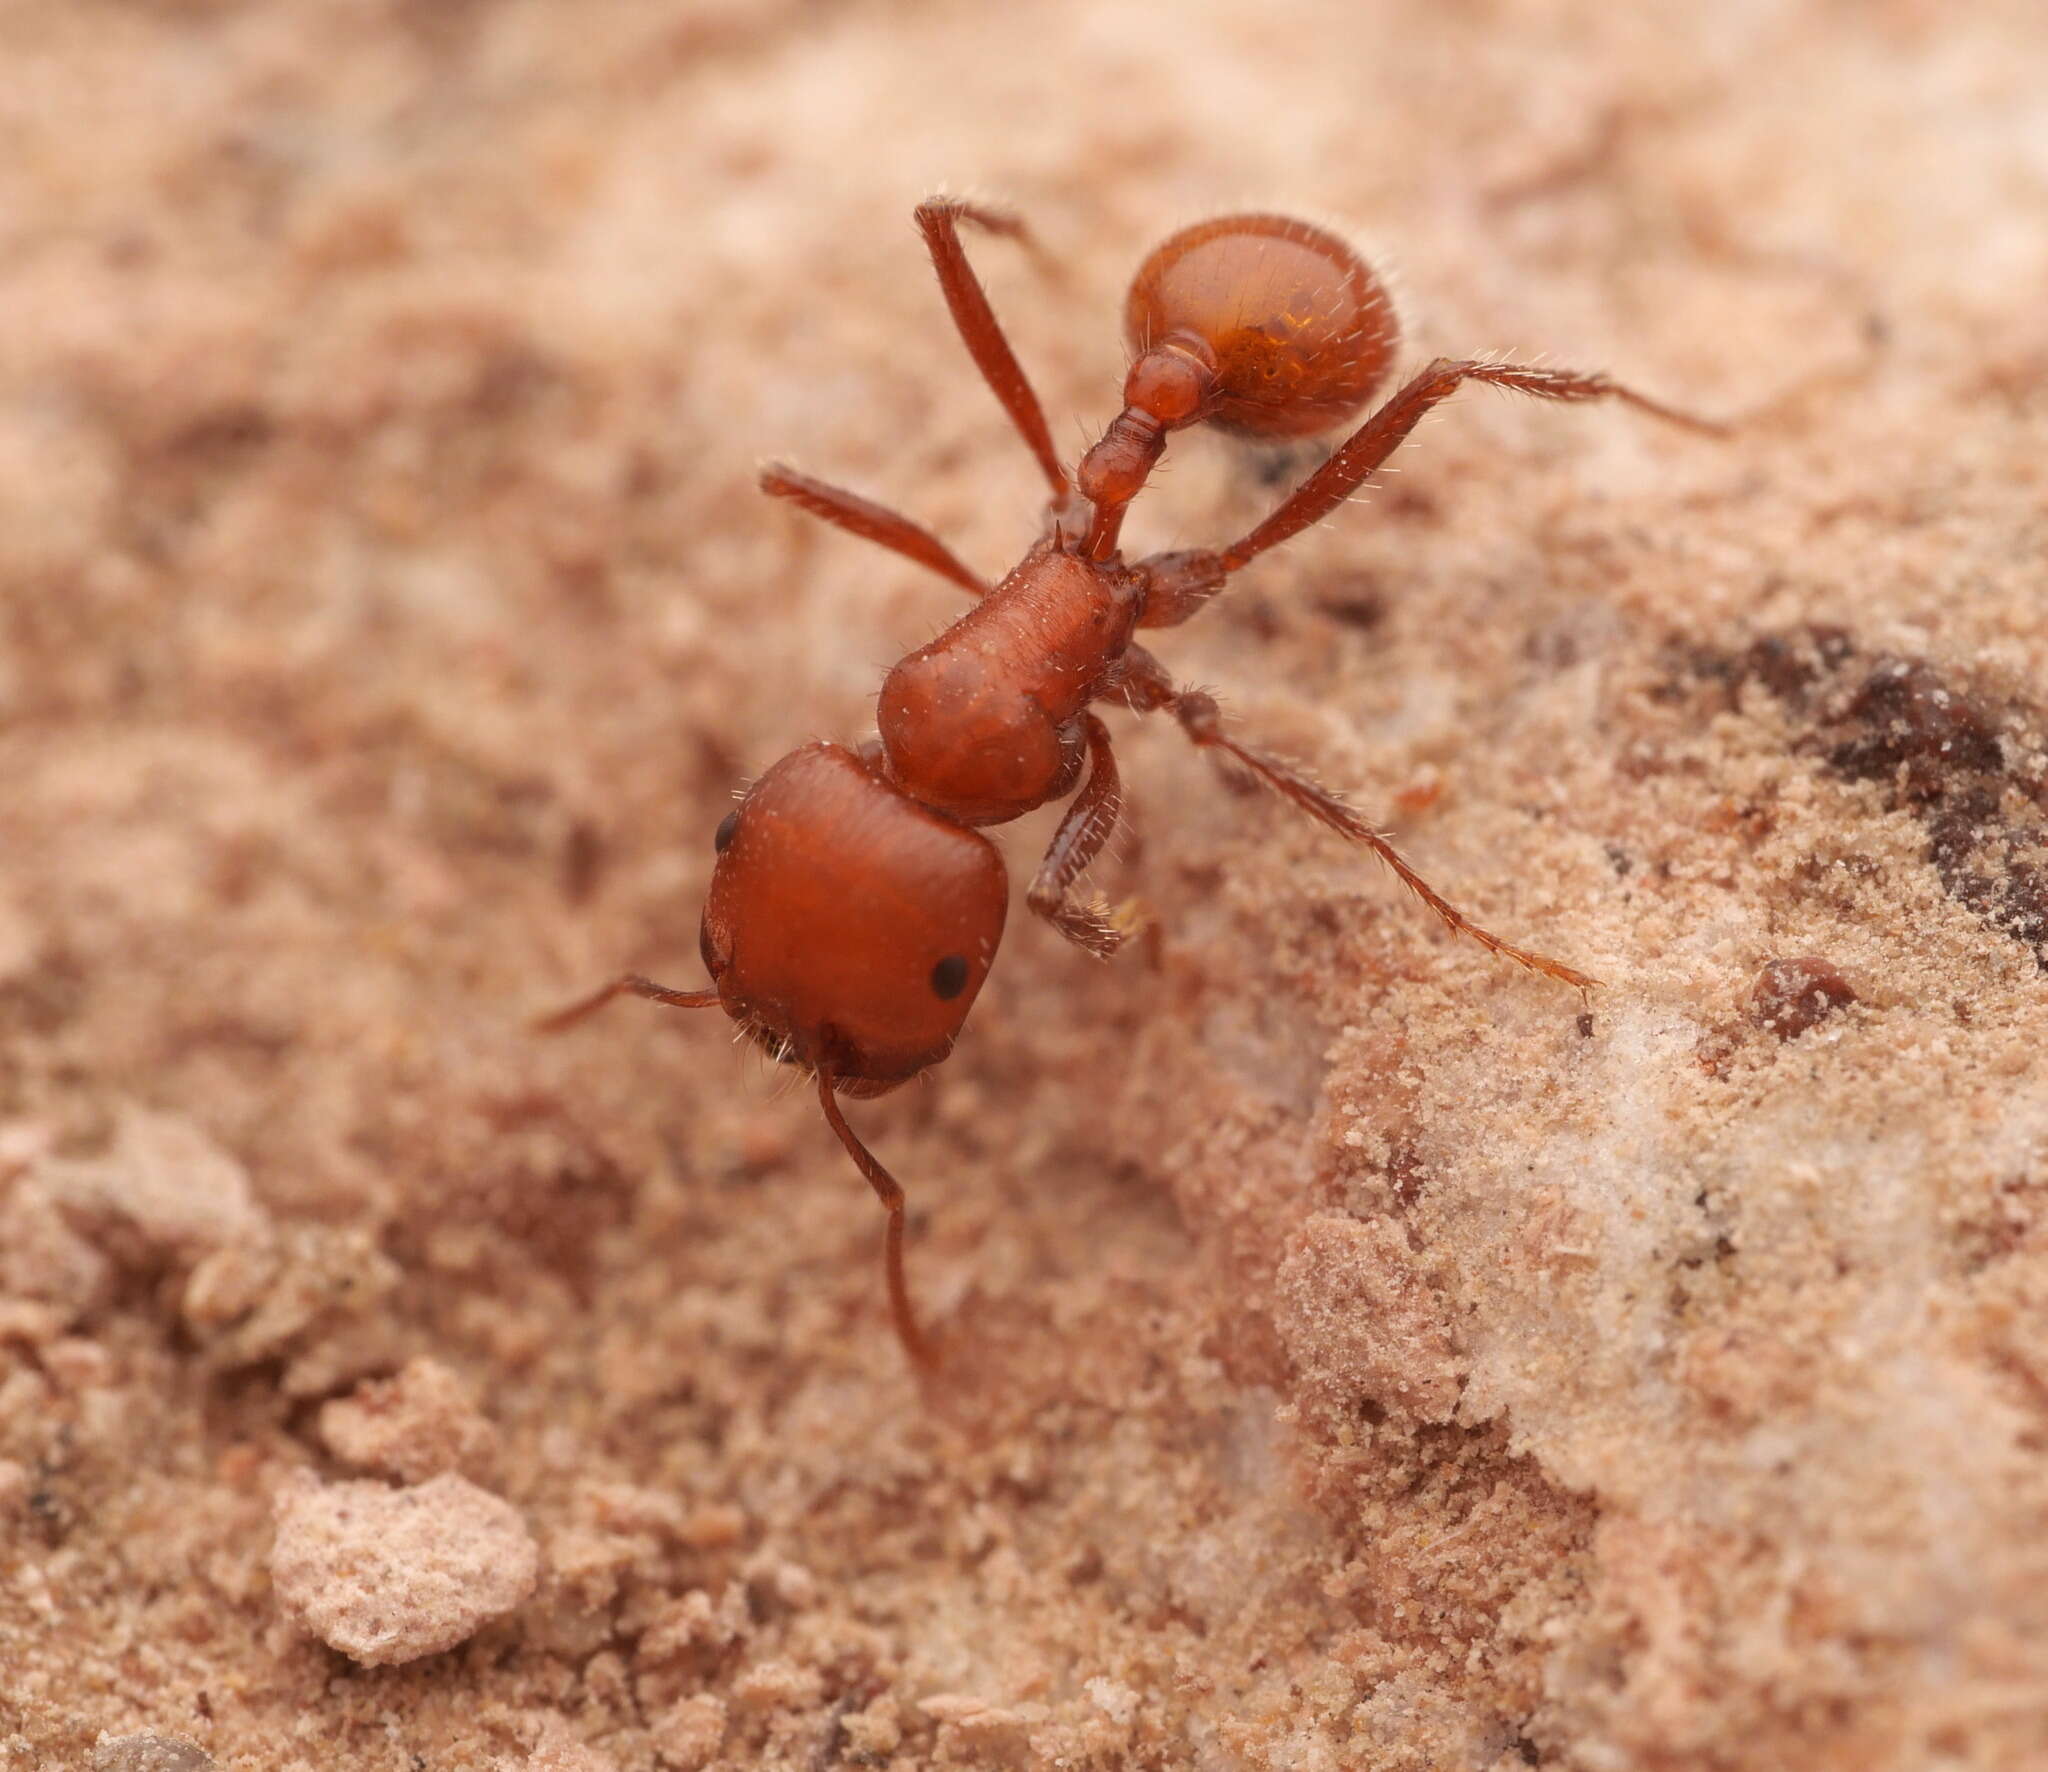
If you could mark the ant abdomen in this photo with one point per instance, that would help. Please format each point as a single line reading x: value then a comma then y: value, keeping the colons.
x: 1300, y: 330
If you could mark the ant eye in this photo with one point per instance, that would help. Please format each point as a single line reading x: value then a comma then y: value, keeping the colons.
x: 721, y: 839
x: 949, y: 977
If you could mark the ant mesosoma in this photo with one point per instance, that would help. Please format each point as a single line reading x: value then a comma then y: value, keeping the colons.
x: 855, y: 908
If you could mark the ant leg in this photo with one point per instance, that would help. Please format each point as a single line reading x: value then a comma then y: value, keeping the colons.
x: 890, y: 1192
x: 1179, y: 584
x: 939, y: 218
x: 1148, y: 688
x: 627, y: 984
x: 872, y: 522
x: 1384, y: 432
x: 1086, y: 827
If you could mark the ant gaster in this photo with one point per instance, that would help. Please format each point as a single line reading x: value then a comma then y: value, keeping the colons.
x: 855, y: 908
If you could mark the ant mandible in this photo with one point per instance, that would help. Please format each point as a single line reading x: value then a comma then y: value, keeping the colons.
x: 855, y: 908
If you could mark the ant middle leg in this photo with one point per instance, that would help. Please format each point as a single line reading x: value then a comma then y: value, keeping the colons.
x: 1369, y: 446
x: 1096, y: 926
x: 1148, y: 688
x: 872, y: 522
x: 939, y: 219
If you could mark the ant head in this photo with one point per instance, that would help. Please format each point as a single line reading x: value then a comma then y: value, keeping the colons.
x: 1297, y: 327
x: 847, y: 926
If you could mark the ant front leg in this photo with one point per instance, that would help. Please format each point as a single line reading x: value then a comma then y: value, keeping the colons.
x: 1097, y: 926
x: 939, y: 219
x: 890, y: 1192
x: 872, y: 522
x: 1148, y: 688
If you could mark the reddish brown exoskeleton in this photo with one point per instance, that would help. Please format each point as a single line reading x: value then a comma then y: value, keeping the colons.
x: 855, y: 907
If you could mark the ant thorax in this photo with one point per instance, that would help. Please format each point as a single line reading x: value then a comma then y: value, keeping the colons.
x: 981, y: 723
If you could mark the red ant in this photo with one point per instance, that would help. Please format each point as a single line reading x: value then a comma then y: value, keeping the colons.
x: 855, y: 909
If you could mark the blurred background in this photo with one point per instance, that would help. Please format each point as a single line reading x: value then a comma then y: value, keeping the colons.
x: 1355, y: 1366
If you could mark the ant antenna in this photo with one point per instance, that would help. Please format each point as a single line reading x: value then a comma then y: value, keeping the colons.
x: 627, y: 984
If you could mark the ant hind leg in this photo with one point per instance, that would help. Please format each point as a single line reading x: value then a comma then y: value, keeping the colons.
x: 1148, y: 688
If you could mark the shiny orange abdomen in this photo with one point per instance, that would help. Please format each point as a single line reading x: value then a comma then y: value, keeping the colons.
x: 1301, y: 329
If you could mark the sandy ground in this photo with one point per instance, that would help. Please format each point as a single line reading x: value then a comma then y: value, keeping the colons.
x: 1356, y: 1360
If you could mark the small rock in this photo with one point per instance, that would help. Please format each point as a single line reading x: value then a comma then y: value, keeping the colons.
x: 411, y: 1427
x: 777, y: 1685
x: 875, y: 1733
x: 1116, y: 1701
x: 555, y: 1748
x: 311, y: 1295
x: 148, y: 1753
x: 44, y: 1261
x: 388, y: 1575
x: 1792, y: 996
x: 165, y: 1180
x: 690, y: 1732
